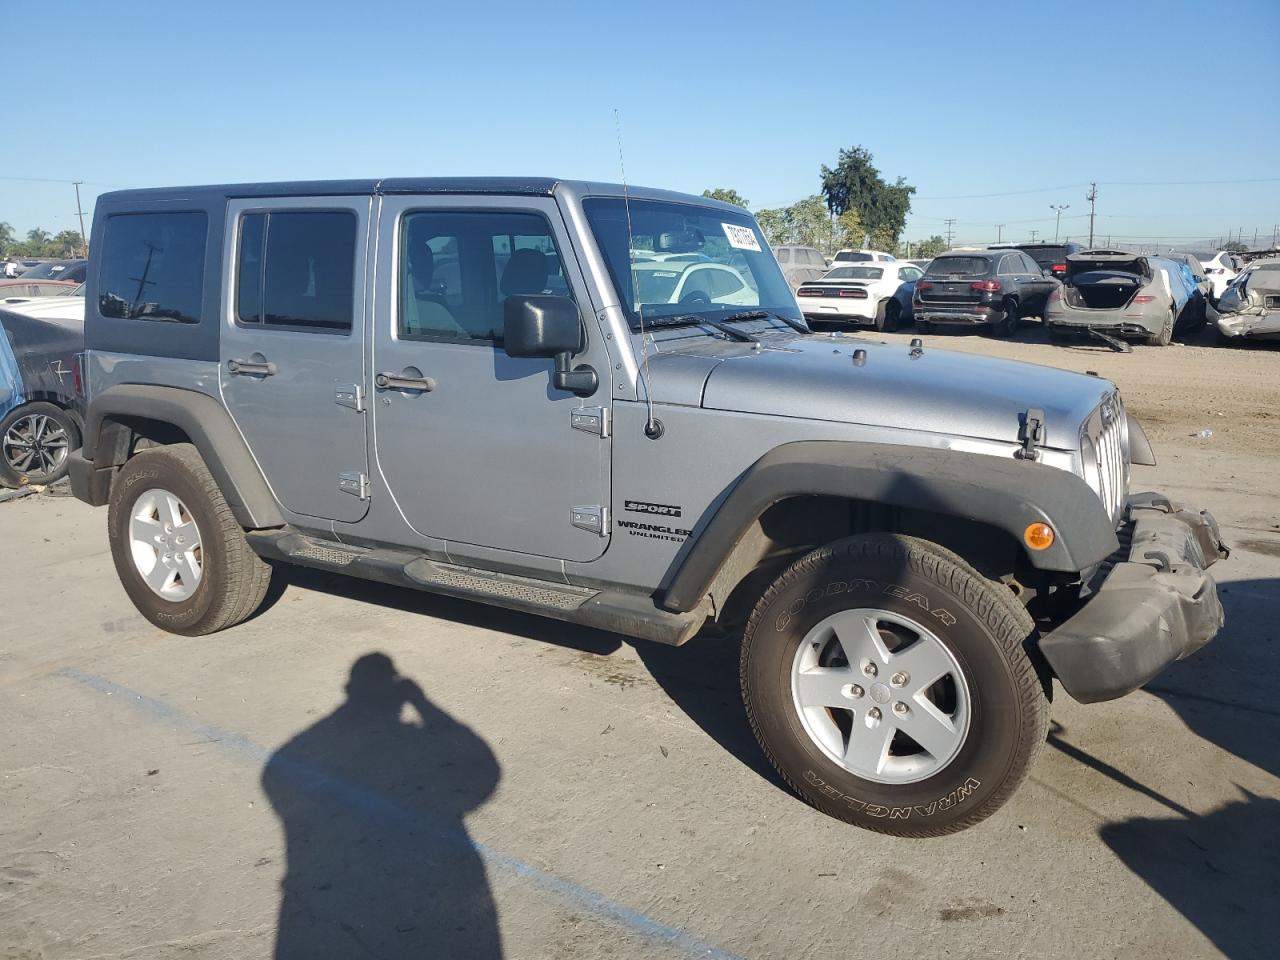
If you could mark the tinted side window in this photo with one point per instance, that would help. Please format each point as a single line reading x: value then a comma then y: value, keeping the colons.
x: 153, y: 266
x: 297, y: 269
x: 458, y: 268
x: 784, y: 255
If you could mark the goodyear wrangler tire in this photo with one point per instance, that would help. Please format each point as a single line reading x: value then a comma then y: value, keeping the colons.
x: 889, y: 684
x: 178, y: 549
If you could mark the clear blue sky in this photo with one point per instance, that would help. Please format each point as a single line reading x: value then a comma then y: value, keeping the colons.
x: 961, y: 99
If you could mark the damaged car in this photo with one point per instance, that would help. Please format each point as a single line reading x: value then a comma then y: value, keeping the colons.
x: 40, y: 392
x: 1250, y: 308
x: 1119, y: 294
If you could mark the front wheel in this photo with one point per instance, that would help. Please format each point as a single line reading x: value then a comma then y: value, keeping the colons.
x: 178, y: 549
x: 888, y: 683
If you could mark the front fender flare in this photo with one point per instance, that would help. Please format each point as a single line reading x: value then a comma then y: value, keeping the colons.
x: 1007, y: 494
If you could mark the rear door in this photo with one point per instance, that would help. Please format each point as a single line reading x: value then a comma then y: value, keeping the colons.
x: 292, y: 370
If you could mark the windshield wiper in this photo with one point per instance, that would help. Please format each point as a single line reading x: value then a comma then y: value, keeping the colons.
x: 798, y: 325
x: 730, y: 332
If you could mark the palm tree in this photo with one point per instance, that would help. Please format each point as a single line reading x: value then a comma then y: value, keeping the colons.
x: 6, y: 236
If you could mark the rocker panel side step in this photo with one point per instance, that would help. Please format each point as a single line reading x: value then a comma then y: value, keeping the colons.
x: 631, y: 614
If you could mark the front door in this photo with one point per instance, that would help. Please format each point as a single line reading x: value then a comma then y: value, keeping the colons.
x: 292, y: 368
x: 477, y: 447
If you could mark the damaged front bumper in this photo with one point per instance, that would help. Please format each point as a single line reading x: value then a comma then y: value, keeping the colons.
x: 1156, y: 604
x: 1259, y: 322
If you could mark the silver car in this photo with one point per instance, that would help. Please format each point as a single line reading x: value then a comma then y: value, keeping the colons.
x: 1250, y: 307
x: 1122, y: 294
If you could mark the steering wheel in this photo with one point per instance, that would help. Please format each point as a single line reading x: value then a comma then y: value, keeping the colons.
x: 696, y: 296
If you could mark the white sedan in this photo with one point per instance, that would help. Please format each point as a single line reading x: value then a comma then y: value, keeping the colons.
x: 678, y: 281
x: 876, y: 293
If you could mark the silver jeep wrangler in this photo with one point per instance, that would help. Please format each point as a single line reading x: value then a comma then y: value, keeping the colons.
x: 604, y: 406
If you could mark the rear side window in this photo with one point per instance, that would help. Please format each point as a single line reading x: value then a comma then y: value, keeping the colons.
x: 784, y: 255
x: 153, y: 266
x: 296, y: 269
x: 958, y: 267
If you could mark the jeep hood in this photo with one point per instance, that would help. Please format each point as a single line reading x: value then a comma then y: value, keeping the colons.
x: 937, y: 391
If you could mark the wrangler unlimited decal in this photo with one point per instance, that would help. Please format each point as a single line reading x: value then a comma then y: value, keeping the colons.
x: 895, y: 813
x: 836, y: 587
x: 654, y: 531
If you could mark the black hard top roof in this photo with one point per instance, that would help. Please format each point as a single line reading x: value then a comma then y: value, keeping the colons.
x: 510, y: 186
x: 526, y: 186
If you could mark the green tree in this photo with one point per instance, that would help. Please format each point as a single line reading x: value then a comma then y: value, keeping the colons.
x: 848, y: 231
x: 773, y: 224
x: 727, y: 194
x: 66, y: 244
x: 37, y: 238
x: 928, y: 249
x: 856, y: 184
x: 6, y: 237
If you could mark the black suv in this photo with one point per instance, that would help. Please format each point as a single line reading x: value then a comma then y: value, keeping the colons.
x: 993, y: 287
x: 1049, y: 257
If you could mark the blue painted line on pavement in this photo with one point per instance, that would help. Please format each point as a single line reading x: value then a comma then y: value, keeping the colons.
x: 374, y: 804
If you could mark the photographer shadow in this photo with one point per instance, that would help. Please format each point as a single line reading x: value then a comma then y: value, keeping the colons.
x: 372, y: 806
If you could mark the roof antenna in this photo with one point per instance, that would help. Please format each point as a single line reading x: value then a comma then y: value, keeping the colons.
x: 653, y: 428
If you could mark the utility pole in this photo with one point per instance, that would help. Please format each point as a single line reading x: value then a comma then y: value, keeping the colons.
x: 1033, y: 235
x: 999, y: 231
x: 950, y: 233
x: 1092, y: 197
x: 1059, y: 207
x: 84, y: 242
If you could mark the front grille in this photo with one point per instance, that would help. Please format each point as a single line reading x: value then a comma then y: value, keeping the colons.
x: 1108, y: 430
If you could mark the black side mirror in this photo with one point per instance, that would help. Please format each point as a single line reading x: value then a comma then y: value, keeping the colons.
x: 537, y: 325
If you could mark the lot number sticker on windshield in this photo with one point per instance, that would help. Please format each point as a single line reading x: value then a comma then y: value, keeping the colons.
x: 741, y: 238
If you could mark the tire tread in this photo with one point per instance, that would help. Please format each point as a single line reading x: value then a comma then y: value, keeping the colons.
x: 1008, y: 621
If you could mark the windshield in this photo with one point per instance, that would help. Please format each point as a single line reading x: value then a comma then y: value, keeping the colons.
x: 853, y: 256
x: 854, y: 273
x: 958, y: 267
x: 683, y: 259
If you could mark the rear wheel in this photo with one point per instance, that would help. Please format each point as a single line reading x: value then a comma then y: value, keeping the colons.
x: 35, y: 442
x: 1007, y: 326
x: 179, y: 551
x: 887, y: 314
x: 888, y: 683
x: 1162, y: 338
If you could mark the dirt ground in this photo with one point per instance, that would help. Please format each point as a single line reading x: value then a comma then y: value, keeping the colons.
x: 1177, y: 391
x: 361, y: 771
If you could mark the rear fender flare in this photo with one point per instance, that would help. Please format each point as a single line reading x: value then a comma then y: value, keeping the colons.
x: 205, y: 422
x: 1007, y: 494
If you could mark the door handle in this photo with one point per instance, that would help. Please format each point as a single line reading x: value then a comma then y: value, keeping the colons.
x: 251, y: 368
x: 391, y: 381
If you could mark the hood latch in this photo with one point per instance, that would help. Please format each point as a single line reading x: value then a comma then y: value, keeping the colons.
x: 1031, y: 434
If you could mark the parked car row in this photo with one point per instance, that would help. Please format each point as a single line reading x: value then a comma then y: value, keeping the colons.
x: 1112, y: 294
x: 41, y: 279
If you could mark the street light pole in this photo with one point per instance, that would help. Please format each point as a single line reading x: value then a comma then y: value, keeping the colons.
x: 1057, y: 223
